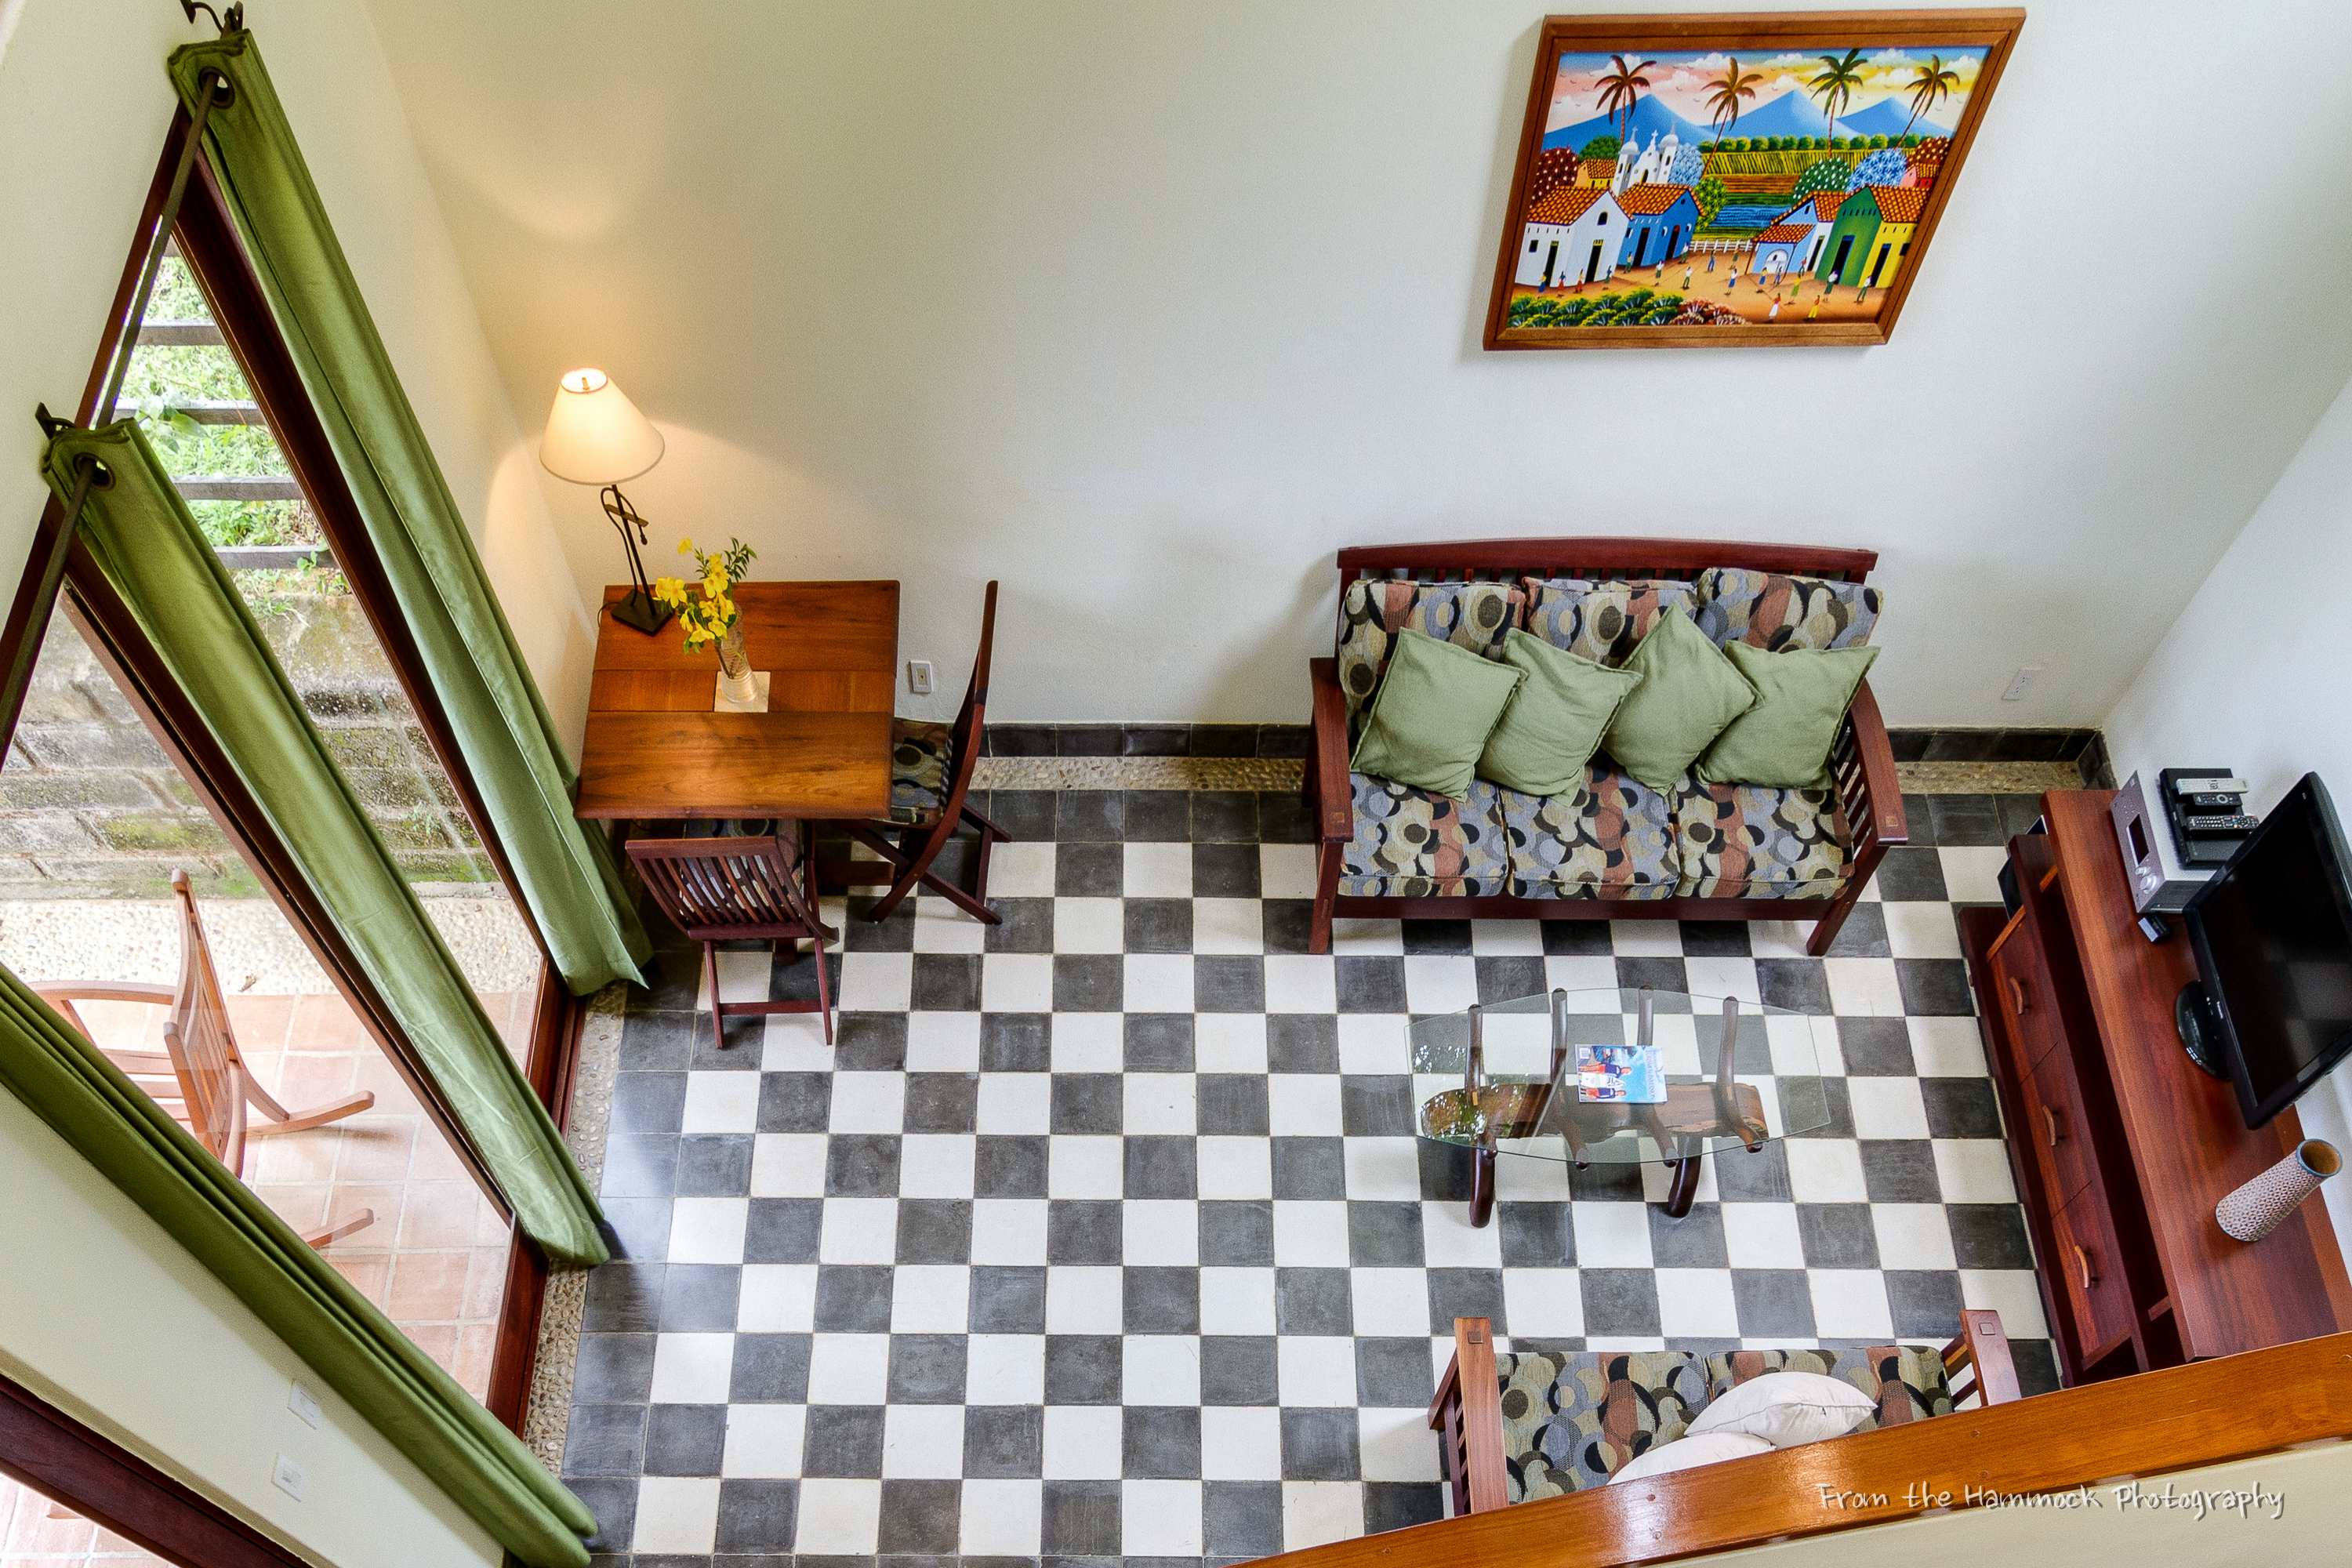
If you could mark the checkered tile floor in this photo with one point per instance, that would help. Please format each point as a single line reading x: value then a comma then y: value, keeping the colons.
x: 1103, y: 1233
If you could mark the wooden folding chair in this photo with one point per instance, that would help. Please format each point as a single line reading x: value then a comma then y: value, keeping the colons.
x: 200, y: 1076
x: 716, y: 889
x: 930, y: 776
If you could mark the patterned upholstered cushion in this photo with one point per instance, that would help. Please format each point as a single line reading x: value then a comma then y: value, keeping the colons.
x: 1909, y: 1383
x: 1476, y: 616
x: 919, y: 770
x: 1749, y: 841
x: 1602, y: 621
x: 1570, y: 1419
x: 1411, y: 844
x: 1765, y: 610
x: 1611, y: 838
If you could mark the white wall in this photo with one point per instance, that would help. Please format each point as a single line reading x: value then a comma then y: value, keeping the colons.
x: 122, y: 1328
x: 84, y: 104
x: 1146, y: 309
x: 2253, y: 677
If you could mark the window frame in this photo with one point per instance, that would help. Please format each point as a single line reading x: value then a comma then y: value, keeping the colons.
x: 206, y: 239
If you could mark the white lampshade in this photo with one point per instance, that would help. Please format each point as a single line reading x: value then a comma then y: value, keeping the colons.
x: 595, y: 435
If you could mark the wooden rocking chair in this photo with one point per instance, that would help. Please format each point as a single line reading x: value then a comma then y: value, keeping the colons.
x: 931, y: 776
x: 200, y: 1076
x: 716, y: 889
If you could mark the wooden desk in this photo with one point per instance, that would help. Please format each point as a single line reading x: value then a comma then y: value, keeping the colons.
x: 654, y: 749
x: 2131, y: 1146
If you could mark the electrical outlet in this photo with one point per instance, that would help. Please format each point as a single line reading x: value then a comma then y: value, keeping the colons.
x: 919, y: 677
x: 289, y: 1477
x: 304, y: 1403
x: 2024, y: 682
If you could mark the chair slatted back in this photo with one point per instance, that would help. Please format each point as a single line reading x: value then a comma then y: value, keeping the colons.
x: 719, y: 887
x: 204, y: 1052
x: 965, y: 741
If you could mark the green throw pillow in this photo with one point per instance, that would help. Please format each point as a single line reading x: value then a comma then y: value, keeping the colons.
x: 1555, y: 720
x: 1801, y: 697
x: 1432, y: 715
x: 1689, y: 693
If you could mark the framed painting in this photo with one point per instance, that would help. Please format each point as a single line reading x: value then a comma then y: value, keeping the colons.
x: 1736, y: 180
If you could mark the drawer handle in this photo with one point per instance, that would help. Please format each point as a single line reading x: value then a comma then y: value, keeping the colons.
x: 2051, y: 1118
x: 2017, y: 996
x: 2082, y: 1258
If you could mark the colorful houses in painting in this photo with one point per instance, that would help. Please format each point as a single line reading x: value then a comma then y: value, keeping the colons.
x: 1659, y: 220
x: 1872, y: 235
x: 1572, y: 236
x: 1817, y: 213
x: 1780, y: 248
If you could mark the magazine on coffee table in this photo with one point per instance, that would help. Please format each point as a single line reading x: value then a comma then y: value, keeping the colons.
x: 1634, y: 1075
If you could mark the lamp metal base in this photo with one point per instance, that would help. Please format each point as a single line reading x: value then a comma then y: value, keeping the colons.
x: 640, y: 609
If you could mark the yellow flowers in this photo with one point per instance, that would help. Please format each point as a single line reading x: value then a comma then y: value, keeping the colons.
x: 706, y: 619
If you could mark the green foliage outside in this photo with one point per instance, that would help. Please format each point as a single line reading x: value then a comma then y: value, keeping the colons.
x: 1600, y: 147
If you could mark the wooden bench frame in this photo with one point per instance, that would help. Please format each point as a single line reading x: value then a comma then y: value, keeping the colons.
x: 1468, y: 1414
x: 1862, y: 763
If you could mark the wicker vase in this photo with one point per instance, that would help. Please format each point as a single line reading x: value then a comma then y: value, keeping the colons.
x: 2256, y: 1209
x: 736, y: 682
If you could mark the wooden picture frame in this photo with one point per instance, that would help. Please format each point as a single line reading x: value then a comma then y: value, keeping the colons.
x: 1698, y: 198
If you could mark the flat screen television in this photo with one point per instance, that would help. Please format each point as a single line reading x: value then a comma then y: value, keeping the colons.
x: 2272, y: 934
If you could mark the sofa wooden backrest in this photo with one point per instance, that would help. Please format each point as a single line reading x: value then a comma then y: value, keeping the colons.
x: 1467, y: 560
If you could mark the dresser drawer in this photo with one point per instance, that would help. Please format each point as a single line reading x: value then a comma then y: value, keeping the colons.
x: 2020, y: 981
x: 2096, y: 1290
x: 2057, y: 1127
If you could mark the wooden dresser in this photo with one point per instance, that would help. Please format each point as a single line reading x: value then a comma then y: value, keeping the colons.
x: 2119, y: 1146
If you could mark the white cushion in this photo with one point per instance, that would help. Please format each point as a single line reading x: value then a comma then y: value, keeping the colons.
x: 1786, y: 1408
x: 1690, y: 1451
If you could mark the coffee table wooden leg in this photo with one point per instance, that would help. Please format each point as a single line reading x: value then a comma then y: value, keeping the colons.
x: 1684, y: 1186
x: 1482, y: 1187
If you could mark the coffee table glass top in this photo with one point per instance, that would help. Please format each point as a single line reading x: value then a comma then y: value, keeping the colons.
x: 1514, y: 1107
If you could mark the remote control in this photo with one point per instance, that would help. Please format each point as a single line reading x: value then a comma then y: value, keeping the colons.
x: 2229, y: 803
x: 2196, y: 824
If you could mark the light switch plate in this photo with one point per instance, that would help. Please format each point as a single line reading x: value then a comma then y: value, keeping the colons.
x: 305, y: 1404
x: 919, y: 677
x: 289, y: 1477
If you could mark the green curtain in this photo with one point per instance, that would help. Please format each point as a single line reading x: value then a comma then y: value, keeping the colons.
x: 567, y: 871
x: 142, y: 537
x: 337, y: 1332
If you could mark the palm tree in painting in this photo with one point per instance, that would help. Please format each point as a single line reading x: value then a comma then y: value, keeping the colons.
x: 1621, y: 91
x: 1834, y: 86
x: 1929, y: 83
x: 1729, y: 88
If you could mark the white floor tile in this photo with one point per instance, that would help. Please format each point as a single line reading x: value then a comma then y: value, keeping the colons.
x: 849, y: 1368
x: 1543, y: 1303
x: 936, y: 1165
x: 1161, y: 1104
x: 1612, y: 1235
x: 1316, y: 1513
x: 1375, y: 1043
x: 1912, y: 1236
x: 1159, y: 871
x: 1241, y: 1442
x: 1237, y: 1301
x: 1395, y: 1446
x: 1286, y: 871
x: 931, y: 1299
x: 922, y: 1442
x: 1972, y: 874
x: 708, y: 1230
x: 1015, y: 1102
x: 1086, y: 1167
x: 1090, y: 925
x: 839, y: 1518
x: 1825, y: 1171
x: 942, y: 1042
x: 1014, y: 983
x: 1089, y: 1042
x: 743, y: 977
x: 1580, y: 971
x: 763, y: 1441
x: 1297, y: 983
x: 1159, y: 982
x: 795, y: 1042
x: 859, y: 1230
x: 1304, y: 1104
x: 1646, y: 938
x: 1310, y: 1235
x: 1162, y: 1369
x: 2014, y: 1293
x: 1381, y: 1168
x: 1082, y: 1442
x: 1085, y: 1300
x: 721, y: 1102
x: 1922, y: 931
x: 1762, y: 1235
x: 1946, y: 1048
x: 868, y: 1102
x: 1695, y: 1303
x: 1360, y: 938
x: 1228, y: 925
x: 1022, y: 870
x: 1724, y: 977
x: 1009, y: 1232
x: 1389, y: 1302
x: 1440, y: 983
x: 1229, y: 1042
x: 1863, y: 987
x: 1887, y: 1107
x: 1974, y: 1171
x: 1160, y: 1233
x: 1159, y: 1518
x: 1507, y: 939
x: 1002, y: 1518
x: 1316, y: 1369
x: 875, y: 982
x: 1004, y: 1369
x: 692, y: 1369
x: 1236, y: 1168
x: 677, y: 1514
x: 1448, y: 1240
x: 777, y: 1299
x: 1851, y: 1304
x: 940, y: 927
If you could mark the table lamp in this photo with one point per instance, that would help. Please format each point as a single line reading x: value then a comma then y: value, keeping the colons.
x: 596, y: 436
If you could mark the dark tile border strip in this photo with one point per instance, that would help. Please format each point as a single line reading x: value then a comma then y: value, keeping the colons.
x: 1147, y: 741
x: 1991, y: 745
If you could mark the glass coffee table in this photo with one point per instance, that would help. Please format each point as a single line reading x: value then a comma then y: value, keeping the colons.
x: 1504, y: 1078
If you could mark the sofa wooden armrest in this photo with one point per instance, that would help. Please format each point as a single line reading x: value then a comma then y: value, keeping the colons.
x: 1468, y: 1413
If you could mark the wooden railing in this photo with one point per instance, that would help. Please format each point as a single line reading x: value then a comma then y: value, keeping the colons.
x: 2208, y: 1413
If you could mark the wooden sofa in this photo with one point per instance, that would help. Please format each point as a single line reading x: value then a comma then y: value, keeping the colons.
x: 1863, y: 819
x: 1621, y: 1403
